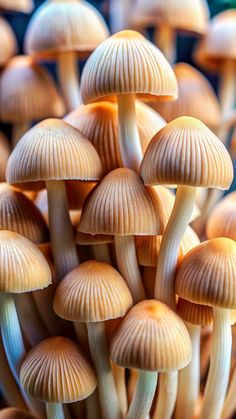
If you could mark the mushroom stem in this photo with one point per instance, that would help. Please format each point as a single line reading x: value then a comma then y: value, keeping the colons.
x: 227, y: 87
x: 128, y: 266
x: 218, y: 376
x: 68, y: 76
x: 19, y: 129
x: 119, y: 378
x: 106, y: 385
x: 61, y: 231
x: 165, y: 40
x: 167, y: 393
x: 54, y: 411
x: 230, y: 402
x: 129, y: 141
x: 143, y: 395
x: 101, y: 253
x: 170, y: 244
x: 189, y: 378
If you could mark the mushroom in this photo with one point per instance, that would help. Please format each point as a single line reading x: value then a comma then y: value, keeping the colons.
x: 8, y: 43
x: 127, y: 65
x: 15, y: 413
x: 222, y: 220
x: 24, y: 6
x: 94, y: 293
x: 4, y: 155
x: 64, y: 30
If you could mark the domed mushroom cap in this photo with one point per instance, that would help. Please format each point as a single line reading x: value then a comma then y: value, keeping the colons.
x: 196, y: 314
x: 186, y: 152
x: 120, y: 204
x: 8, y: 45
x: 207, y: 274
x: 222, y: 220
x: 151, y: 337
x: 192, y: 83
x: 64, y: 25
x: 127, y: 63
x: 185, y: 15
x: 15, y: 413
x: 55, y: 371
x: 25, y: 88
x: 4, y: 155
x: 93, y: 292
x: 24, y: 6
x: 53, y: 150
x: 23, y: 267
x: 19, y: 214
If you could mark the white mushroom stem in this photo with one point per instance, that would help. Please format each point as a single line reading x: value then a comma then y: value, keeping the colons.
x: 68, y: 75
x: 230, y: 402
x: 101, y: 252
x: 120, y: 383
x: 129, y: 141
x: 165, y: 39
x: 189, y: 378
x: 54, y: 411
x: 227, y: 86
x: 143, y: 395
x: 106, y: 386
x: 170, y: 244
x: 218, y: 376
x: 61, y: 231
x: 167, y: 393
x: 128, y: 266
x: 18, y: 130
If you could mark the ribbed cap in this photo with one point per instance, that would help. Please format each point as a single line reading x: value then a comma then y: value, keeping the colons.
x: 8, y: 44
x: 196, y: 314
x: 151, y: 337
x: 222, y: 220
x: 18, y: 213
x: 64, y: 25
x: 121, y: 205
x: 4, y: 155
x: 55, y: 371
x: 23, y: 267
x: 186, y: 152
x: 127, y: 63
x: 15, y: 413
x: 53, y: 150
x: 207, y: 274
x: 93, y: 292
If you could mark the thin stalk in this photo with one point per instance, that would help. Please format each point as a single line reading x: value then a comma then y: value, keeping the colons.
x: 19, y: 129
x: 101, y: 253
x: 68, y: 75
x: 218, y: 376
x: 230, y: 402
x: 120, y: 383
x: 128, y: 266
x: 170, y: 244
x: 143, y: 396
x: 189, y: 378
x: 129, y: 141
x: 106, y: 386
x: 54, y: 411
x: 165, y: 39
x: 167, y: 393
x: 227, y: 87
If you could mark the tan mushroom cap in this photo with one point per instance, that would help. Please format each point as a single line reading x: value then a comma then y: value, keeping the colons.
x: 186, y: 152
x: 93, y: 292
x: 23, y: 267
x: 151, y: 337
x: 64, y: 25
x: 222, y: 220
x: 53, y: 150
x: 207, y: 274
x: 192, y: 83
x: 127, y: 63
x: 4, y: 155
x: 196, y: 314
x: 8, y: 44
x: 121, y: 205
x: 25, y: 91
x: 190, y: 16
x: 15, y: 413
x: 24, y: 6
x: 19, y: 214
x: 55, y: 371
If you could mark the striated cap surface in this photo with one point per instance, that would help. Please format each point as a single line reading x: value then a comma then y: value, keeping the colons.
x: 222, y: 220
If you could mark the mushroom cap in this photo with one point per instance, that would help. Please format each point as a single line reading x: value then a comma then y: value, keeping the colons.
x: 207, y: 274
x: 222, y: 220
x: 19, y: 214
x: 53, y: 150
x: 64, y: 26
x: 25, y: 88
x: 190, y: 16
x: 120, y: 205
x: 24, y: 6
x: 8, y: 43
x: 4, y: 155
x: 23, y: 267
x: 185, y: 152
x: 151, y: 337
x: 93, y: 292
x: 192, y: 83
x: 15, y: 413
x: 55, y: 371
x: 197, y: 314
x: 99, y: 123
x: 127, y: 63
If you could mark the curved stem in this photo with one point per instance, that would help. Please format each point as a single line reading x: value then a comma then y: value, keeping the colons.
x: 102, y: 253
x: 218, y: 376
x: 143, y: 396
x: 167, y: 393
x: 19, y: 129
x: 170, y: 244
x: 230, y: 402
x: 54, y: 411
x: 120, y: 383
x: 100, y: 356
x: 227, y: 87
x: 129, y: 141
x: 189, y: 378
x: 68, y: 75
x: 165, y: 39
x: 128, y: 266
